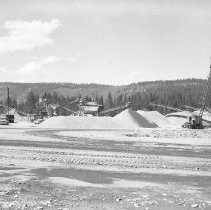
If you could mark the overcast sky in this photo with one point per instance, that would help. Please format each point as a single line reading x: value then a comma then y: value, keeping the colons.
x: 104, y: 41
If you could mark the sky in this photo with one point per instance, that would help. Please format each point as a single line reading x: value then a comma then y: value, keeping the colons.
x: 104, y: 41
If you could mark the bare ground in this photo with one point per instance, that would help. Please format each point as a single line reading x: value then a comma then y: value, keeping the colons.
x: 148, y: 169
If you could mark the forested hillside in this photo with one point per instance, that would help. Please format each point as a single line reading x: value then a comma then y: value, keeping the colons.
x: 172, y: 93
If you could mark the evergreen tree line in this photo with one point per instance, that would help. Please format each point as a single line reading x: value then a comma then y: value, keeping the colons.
x: 168, y: 95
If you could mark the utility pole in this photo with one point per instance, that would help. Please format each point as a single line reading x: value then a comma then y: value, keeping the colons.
x: 8, y: 102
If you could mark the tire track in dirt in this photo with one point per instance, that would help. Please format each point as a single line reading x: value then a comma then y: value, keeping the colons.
x: 111, y: 159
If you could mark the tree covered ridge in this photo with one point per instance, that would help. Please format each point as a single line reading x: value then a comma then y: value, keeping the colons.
x: 173, y: 93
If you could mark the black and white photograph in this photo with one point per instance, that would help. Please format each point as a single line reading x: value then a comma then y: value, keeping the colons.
x: 105, y: 104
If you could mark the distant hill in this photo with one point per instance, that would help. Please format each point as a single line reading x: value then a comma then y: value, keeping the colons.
x: 19, y: 91
x: 171, y: 92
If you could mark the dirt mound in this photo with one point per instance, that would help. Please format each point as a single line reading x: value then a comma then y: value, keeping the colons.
x: 130, y: 118
x: 178, y: 119
x: 19, y: 118
x: 155, y: 117
x: 127, y: 119
x: 77, y: 122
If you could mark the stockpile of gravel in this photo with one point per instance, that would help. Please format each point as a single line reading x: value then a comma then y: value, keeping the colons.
x: 130, y: 118
x: 127, y: 119
x: 155, y: 117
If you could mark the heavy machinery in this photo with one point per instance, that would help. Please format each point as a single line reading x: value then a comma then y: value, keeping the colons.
x: 114, y: 111
x: 195, y: 120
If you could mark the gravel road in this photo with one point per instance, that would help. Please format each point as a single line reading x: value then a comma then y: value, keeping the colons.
x: 41, y: 169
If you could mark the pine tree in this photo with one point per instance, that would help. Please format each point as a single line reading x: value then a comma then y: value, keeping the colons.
x: 109, y: 101
x: 101, y: 100
x: 120, y: 100
x: 30, y: 103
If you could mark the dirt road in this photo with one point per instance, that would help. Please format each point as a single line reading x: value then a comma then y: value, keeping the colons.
x: 53, y: 169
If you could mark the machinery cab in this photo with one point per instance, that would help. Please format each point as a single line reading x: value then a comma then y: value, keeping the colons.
x: 194, y: 122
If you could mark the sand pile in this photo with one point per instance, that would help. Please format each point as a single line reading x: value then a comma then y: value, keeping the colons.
x: 19, y: 118
x: 127, y: 119
x: 132, y: 119
x: 155, y: 117
x: 178, y: 119
x: 77, y: 122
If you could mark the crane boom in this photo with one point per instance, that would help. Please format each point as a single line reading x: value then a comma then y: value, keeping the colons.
x: 167, y: 107
x: 206, y: 94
